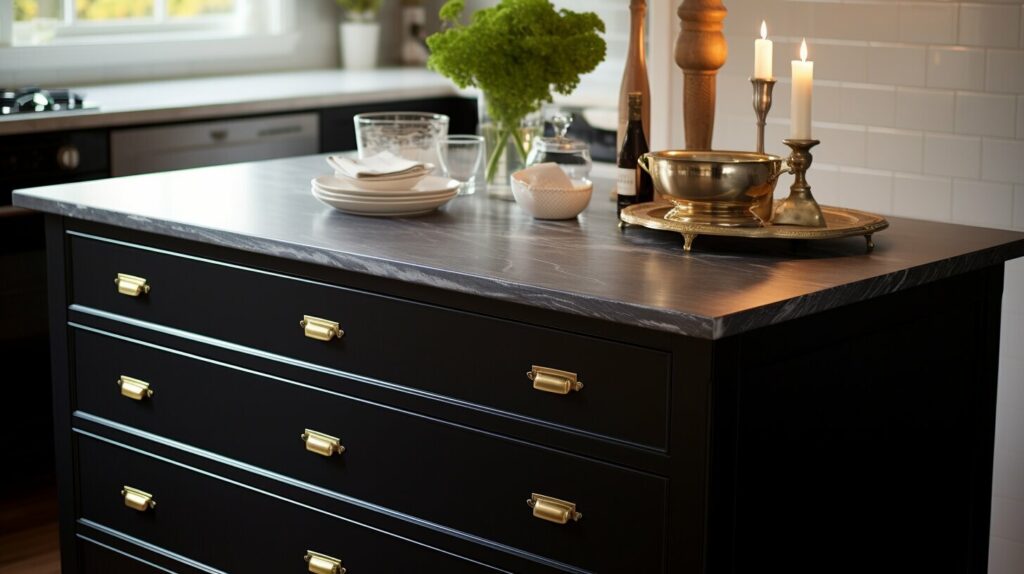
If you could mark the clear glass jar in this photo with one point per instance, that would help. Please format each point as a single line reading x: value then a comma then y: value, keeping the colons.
x: 573, y: 156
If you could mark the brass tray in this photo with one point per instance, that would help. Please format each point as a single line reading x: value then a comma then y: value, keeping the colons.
x: 840, y: 222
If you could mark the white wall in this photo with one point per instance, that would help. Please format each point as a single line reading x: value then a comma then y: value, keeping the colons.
x: 920, y: 110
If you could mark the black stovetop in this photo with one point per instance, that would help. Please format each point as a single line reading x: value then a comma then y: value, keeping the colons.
x: 32, y: 99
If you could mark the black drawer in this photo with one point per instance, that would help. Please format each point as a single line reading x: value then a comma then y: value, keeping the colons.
x: 230, y: 527
x: 96, y: 559
x: 472, y: 481
x: 469, y: 357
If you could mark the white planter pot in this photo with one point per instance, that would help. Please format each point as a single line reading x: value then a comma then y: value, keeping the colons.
x: 360, y: 43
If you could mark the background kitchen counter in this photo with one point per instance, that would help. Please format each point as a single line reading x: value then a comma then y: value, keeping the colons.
x: 229, y: 96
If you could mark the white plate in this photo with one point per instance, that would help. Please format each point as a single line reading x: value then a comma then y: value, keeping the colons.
x: 382, y: 198
x: 429, y: 184
x: 399, y: 183
x: 390, y: 208
x: 425, y: 169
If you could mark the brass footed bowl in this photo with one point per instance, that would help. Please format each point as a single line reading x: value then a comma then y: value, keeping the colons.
x: 723, y: 188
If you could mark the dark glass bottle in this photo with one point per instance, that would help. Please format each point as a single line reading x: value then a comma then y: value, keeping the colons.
x: 634, y: 185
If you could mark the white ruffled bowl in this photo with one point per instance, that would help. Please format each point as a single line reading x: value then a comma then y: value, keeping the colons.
x: 548, y: 203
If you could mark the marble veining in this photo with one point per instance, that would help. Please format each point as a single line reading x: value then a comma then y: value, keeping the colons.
x: 493, y: 249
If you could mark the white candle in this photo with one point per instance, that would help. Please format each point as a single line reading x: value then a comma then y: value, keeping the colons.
x: 803, y: 83
x: 763, y: 55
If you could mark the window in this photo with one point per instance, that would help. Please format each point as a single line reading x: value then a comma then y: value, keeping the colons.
x: 54, y: 22
x: 38, y: 35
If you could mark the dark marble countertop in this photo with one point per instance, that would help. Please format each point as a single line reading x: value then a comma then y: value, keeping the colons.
x: 492, y: 248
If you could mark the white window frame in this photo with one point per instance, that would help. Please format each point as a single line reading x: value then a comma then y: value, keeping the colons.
x: 159, y: 23
x: 152, y: 41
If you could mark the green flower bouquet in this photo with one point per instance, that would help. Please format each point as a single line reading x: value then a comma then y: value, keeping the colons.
x: 518, y: 53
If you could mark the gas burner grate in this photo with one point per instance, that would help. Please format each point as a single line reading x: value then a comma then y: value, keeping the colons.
x: 33, y: 100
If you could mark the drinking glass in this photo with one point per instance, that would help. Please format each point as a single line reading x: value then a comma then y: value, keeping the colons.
x: 461, y: 157
x: 412, y: 135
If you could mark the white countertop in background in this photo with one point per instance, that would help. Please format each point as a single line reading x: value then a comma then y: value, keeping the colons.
x: 219, y: 97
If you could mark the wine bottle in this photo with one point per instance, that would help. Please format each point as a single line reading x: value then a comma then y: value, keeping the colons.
x: 634, y: 77
x: 633, y: 184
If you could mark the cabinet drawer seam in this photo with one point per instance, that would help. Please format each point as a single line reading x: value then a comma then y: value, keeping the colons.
x: 234, y: 347
x: 141, y: 544
x: 213, y: 457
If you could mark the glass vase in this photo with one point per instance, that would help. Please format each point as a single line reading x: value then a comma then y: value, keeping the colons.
x: 505, y: 149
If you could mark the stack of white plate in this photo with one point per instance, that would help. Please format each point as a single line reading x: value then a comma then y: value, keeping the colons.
x: 353, y: 196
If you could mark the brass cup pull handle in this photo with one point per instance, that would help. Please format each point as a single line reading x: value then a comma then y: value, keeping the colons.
x: 323, y: 564
x: 553, y: 380
x: 137, y: 499
x: 131, y: 285
x: 134, y: 388
x: 322, y: 444
x: 553, y: 509
x: 320, y: 329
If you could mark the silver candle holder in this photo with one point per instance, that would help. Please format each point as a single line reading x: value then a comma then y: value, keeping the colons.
x: 799, y: 208
x: 762, y: 105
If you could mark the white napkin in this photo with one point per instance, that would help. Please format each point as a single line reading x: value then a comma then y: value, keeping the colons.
x: 544, y: 176
x: 383, y: 164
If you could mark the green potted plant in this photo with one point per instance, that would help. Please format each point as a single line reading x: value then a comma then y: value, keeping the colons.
x: 359, y: 34
x: 518, y: 53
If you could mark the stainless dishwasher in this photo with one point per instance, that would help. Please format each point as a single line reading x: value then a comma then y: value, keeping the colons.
x: 163, y: 148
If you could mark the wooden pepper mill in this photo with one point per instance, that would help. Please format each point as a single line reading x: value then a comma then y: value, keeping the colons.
x: 700, y: 51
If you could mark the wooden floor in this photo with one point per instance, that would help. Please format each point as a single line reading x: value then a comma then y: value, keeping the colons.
x: 28, y: 531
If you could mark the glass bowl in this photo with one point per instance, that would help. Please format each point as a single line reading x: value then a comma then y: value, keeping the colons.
x: 412, y: 135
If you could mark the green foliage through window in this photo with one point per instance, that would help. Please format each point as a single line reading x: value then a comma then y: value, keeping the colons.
x: 110, y: 10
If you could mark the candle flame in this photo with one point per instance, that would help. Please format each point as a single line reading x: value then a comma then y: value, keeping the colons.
x: 764, y: 30
x: 803, y: 50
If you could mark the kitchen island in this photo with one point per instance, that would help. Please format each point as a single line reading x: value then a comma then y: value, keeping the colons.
x: 245, y: 378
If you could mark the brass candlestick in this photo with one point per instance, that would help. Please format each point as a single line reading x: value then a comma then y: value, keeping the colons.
x: 799, y: 208
x: 762, y: 105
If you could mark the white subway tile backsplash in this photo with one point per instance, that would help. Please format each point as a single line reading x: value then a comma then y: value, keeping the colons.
x: 928, y: 23
x: 774, y: 133
x: 734, y: 92
x: 840, y: 145
x: 825, y: 184
x: 1007, y: 517
x: 895, y: 150
x: 866, y: 190
x: 1013, y: 300
x: 1005, y: 556
x: 990, y: 25
x: 1002, y: 160
x: 953, y: 156
x: 1020, y: 117
x: 985, y: 114
x: 1008, y: 479
x: 868, y: 105
x: 1018, y: 207
x: 744, y: 17
x: 873, y: 21
x: 787, y: 18
x: 928, y: 110
x: 922, y: 197
x: 1004, y: 71
x: 982, y: 203
x: 827, y: 103
x: 897, y: 65
x: 846, y: 62
x: 734, y: 132
x: 828, y: 20
x: 956, y: 68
